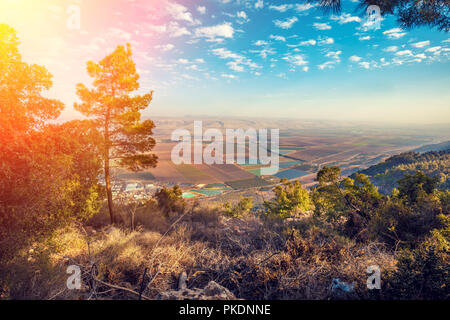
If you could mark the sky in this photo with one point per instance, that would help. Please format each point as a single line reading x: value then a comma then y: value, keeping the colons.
x: 244, y: 58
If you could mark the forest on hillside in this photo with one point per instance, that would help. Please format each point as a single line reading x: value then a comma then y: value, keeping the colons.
x: 433, y: 163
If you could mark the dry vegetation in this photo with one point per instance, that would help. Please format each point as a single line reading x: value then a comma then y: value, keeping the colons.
x: 255, y: 258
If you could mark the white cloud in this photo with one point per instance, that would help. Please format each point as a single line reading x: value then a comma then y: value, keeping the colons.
x: 229, y: 76
x: 328, y: 64
x: 180, y: 12
x: 304, y: 7
x: 334, y: 54
x: 216, y: 33
x: 297, y: 7
x: 176, y: 31
x: 310, y: 42
x: 396, y: 30
x: 242, y: 17
x: 404, y: 53
x: 242, y: 14
x: 391, y: 49
x: 193, y: 67
x: 199, y: 60
x: 421, y: 56
x: 183, y: 61
x: 298, y: 59
x: 239, y: 61
x: 264, y: 52
x: 327, y: 40
x: 226, y: 54
x: 278, y: 38
x: 235, y: 66
x: 281, y: 8
x: 421, y: 44
x: 119, y: 33
x: 397, y: 61
x: 305, y: 69
x: 259, y: 4
x: 364, y: 38
x: 201, y: 9
x: 189, y: 77
x: 322, y: 26
x: 261, y: 43
x: 355, y: 59
x: 394, y: 33
x: 286, y: 24
x: 365, y: 65
x: 345, y: 18
x: 165, y: 47
x: 435, y: 50
x: 383, y: 62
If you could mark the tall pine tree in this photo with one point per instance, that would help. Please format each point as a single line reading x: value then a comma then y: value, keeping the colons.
x: 116, y: 113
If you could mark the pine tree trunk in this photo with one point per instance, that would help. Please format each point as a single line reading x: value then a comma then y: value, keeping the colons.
x: 107, y: 173
x: 108, y: 190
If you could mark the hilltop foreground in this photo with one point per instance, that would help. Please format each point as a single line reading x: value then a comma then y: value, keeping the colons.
x: 314, y: 244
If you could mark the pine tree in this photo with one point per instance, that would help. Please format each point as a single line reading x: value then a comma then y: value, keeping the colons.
x: 127, y: 140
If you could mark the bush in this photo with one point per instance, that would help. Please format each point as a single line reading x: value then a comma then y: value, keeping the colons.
x: 169, y: 200
x: 423, y: 273
x: 290, y: 199
x: 241, y: 209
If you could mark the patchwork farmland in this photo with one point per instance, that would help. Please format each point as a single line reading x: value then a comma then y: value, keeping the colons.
x: 304, y: 149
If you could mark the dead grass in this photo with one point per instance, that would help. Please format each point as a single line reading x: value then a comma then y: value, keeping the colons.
x: 254, y: 259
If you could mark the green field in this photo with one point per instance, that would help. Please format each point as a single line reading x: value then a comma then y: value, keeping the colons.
x: 247, y: 183
x: 187, y: 195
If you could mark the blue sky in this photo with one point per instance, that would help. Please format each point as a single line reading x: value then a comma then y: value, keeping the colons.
x: 249, y: 58
x: 288, y: 59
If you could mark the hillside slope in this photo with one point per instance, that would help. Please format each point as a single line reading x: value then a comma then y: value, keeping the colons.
x: 434, y: 147
x: 386, y: 174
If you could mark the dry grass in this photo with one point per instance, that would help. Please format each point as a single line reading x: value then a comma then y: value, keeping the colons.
x: 255, y: 259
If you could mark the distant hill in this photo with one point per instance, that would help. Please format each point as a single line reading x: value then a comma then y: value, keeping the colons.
x: 386, y: 174
x: 434, y: 147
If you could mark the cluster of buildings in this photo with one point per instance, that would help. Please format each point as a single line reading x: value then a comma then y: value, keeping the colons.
x: 136, y: 190
x: 122, y: 189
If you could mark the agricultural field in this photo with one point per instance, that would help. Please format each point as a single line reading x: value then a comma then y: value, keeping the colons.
x: 305, y: 147
x: 291, y: 174
x: 248, y: 183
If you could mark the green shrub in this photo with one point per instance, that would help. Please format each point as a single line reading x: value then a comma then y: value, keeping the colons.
x: 290, y: 199
x: 423, y: 273
x: 241, y: 209
x: 169, y: 200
